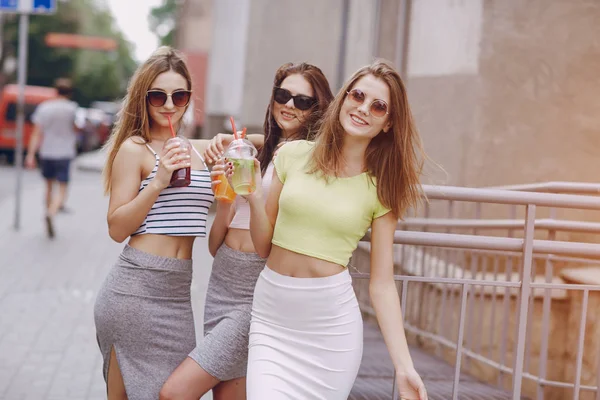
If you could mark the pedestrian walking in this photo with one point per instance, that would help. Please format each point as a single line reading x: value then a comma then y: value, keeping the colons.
x: 55, y: 136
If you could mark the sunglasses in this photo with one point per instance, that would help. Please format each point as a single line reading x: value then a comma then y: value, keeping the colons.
x: 378, y: 108
x: 158, y: 98
x: 301, y: 102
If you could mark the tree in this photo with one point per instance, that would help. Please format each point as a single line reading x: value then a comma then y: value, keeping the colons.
x: 44, y: 64
x: 162, y: 20
x: 97, y: 75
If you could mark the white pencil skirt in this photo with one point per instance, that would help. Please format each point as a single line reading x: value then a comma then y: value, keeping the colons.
x: 306, y: 338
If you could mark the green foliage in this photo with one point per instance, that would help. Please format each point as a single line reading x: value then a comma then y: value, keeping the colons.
x: 97, y: 75
x: 162, y: 20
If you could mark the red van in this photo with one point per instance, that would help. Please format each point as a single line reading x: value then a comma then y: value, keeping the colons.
x: 34, y: 95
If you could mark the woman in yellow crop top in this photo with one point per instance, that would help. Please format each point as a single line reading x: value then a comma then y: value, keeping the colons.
x: 143, y: 311
x: 362, y: 172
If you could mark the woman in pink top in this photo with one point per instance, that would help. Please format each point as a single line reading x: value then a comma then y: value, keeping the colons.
x: 300, y: 96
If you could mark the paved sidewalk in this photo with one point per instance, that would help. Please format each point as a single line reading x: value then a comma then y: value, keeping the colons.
x: 92, y: 161
x: 48, y: 349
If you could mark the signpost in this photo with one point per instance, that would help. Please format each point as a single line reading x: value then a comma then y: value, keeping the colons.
x: 23, y: 8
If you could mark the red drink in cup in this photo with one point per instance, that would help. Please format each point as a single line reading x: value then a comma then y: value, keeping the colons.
x: 181, y: 177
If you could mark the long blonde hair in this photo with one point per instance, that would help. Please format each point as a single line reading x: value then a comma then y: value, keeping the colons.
x: 394, y: 158
x: 133, y: 119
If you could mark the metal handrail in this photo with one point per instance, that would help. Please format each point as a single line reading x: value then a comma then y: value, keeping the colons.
x: 479, y: 242
x: 554, y: 187
x: 543, y: 223
x: 526, y: 285
x: 500, y: 196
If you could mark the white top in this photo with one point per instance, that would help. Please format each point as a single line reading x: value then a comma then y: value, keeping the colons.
x: 55, y: 119
x: 241, y: 219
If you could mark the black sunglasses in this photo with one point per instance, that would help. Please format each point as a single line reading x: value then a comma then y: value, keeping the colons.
x: 301, y: 102
x: 158, y: 98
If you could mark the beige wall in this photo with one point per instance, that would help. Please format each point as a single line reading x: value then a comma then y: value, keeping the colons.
x: 261, y: 35
x: 194, y: 27
x: 287, y: 30
x: 503, y: 91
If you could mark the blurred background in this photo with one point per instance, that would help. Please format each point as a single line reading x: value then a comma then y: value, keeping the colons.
x: 493, y: 84
x: 504, y: 92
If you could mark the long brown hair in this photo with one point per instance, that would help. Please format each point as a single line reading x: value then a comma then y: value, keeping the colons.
x: 323, y: 94
x: 394, y: 158
x: 133, y: 118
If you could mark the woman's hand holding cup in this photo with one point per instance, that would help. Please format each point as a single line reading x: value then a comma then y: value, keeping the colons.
x: 173, y: 156
x: 217, y: 174
x: 257, y: 192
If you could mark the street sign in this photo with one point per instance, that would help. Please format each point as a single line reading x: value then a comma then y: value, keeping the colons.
x: 28, y: 6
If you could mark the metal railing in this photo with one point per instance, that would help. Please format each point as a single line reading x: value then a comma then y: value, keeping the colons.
x: 555, y: 187
x: 450, y: 272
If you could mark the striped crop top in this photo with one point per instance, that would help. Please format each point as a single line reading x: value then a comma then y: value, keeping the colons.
x: 179, y: 211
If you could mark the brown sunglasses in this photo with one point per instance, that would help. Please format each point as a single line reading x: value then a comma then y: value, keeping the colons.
x: 158, y: 98
x: 378, y: 108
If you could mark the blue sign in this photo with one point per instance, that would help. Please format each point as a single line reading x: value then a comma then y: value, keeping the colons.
x: 28, y: 6
x: 8, y: 5
x: 44, y: 6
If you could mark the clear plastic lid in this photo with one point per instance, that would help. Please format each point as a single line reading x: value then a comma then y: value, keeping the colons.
x: 241, y: 148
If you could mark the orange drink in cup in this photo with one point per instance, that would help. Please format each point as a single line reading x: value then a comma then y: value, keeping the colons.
x: 223, y: 190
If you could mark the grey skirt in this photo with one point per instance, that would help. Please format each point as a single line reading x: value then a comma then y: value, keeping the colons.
x: 223, y: 352
x: 144, y: 312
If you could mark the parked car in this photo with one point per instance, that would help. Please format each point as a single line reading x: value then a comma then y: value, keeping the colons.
x: 34, y: 95
x: 95, y: 128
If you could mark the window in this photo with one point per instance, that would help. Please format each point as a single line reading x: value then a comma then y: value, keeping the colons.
x: 11, y: 112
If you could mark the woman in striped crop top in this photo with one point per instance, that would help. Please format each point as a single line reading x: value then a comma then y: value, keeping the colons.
x: 143, y: 313
x: 362, y: 172
x: 300, y: 96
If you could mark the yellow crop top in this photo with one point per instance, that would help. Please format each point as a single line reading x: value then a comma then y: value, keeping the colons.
x: 325, y: 220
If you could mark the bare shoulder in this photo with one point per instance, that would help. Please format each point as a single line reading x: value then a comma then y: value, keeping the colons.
x: 133, y: 145
x: 132, y: 151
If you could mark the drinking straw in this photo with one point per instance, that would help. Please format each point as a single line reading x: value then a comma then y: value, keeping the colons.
x: 244, y: 133
x: 235, y: 135
x: 171, y: 126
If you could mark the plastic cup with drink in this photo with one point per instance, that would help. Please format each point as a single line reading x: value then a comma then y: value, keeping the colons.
x: 223, y: 190
x: 180, y: 177
x: 241, y: 153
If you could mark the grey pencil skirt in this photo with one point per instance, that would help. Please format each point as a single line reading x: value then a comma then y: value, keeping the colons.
x: 143, y: 311
x: 223, y: 352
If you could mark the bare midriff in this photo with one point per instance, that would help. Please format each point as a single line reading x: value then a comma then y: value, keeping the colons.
x: 289, y: 263
x: 239, y: 240
x: 179, y: 247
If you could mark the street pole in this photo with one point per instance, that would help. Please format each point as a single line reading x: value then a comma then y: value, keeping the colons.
x: 22, y: 80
